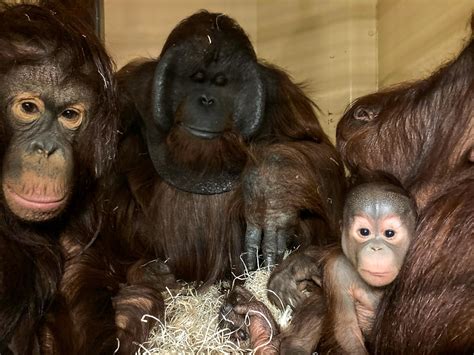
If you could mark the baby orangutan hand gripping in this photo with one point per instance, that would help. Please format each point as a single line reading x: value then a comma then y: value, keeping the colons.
x: 378, y: 222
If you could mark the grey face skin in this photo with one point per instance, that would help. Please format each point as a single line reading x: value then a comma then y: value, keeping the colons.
x: 379, y: 220
x: 378, y: 223
x: 44, y: 111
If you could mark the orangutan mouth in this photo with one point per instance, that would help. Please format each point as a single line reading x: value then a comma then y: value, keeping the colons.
x: 37, y: 202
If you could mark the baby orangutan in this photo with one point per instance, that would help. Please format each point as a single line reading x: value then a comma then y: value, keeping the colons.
x: 378, y: 222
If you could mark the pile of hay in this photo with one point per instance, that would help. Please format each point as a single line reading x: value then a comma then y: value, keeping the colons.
x: 191, y: 319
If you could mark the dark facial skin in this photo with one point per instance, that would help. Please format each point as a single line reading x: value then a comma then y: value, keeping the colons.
x: 209, y: 75
x: 207, y: 99
x: 44, y: 112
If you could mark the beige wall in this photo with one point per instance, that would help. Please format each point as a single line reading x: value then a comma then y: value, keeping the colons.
x: 139, y: 28
x: 417, y: 36
x: 341, y: 49
x: 329, y: 44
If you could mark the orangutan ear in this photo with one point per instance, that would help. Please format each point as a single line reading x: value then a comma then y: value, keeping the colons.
x: 367, y: 114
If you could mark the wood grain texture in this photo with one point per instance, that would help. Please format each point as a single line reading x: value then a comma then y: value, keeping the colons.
x: 329, y: 45
x: 416, y: 37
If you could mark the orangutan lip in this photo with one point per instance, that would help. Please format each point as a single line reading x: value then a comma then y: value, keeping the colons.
x: 376, y: 274
x: 201, y: 133
x: 40, y: 203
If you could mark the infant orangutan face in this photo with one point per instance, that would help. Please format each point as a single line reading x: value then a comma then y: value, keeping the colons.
x: 379, y: 221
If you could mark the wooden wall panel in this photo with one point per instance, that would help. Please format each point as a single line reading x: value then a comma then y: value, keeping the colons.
x: 329, y: 44
x: 417, y: 36
x: 139, y: 28
x: 341, y: 49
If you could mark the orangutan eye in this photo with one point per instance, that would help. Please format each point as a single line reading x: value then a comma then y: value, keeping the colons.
x: 389, y: 233
x: 70, y: 114
x: 220, y: 80
x: 72, y: 117
x: 198, y: 77
x: 29, y: 107
x: 364, y: 232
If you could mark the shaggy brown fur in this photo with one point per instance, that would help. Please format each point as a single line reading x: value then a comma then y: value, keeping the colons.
x: 430, y: 308
x: 201, y: 236
x: 32, y: 259
x: 205, y: 245
x: 423, y: 134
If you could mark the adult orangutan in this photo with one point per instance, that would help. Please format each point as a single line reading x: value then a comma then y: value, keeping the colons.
x: 220, y: 155
x: 57, y: 129
x: 423, y: 134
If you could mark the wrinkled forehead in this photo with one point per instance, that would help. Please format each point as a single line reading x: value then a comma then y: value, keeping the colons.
x: 49, y: 81
x: 377, y: 201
